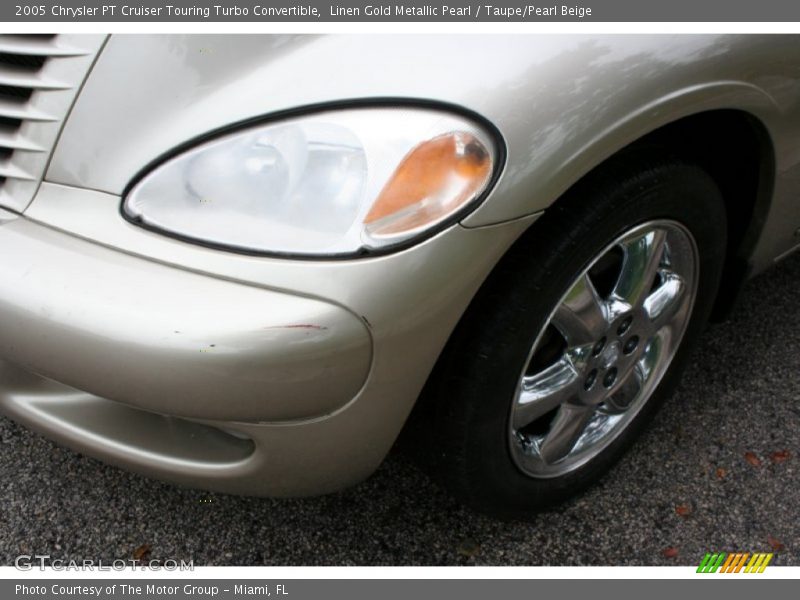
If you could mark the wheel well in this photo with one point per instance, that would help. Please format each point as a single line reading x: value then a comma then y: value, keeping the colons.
x: 735, y: 149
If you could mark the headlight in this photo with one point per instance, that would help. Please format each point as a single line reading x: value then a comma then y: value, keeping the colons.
x: 331, y: 183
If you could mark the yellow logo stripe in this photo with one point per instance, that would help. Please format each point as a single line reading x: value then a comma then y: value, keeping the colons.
x: 756, y: 562
x: 751, y: 563
x: 765, y: 563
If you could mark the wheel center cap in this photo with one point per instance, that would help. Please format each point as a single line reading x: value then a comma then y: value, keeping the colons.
x: 610, y: 354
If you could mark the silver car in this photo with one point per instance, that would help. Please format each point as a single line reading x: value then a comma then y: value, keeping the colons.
x: 239, y: 262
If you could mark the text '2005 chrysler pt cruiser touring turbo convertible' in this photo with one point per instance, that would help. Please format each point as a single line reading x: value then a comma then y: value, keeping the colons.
x: 236, y: 262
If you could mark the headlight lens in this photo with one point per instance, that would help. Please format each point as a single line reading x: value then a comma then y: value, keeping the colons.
x: 330, y: 183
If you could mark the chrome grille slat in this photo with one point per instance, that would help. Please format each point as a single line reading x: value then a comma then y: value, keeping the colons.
x: 10, y: 171
x: 13, y: 140
x: 40, y: 76
x: 22, y: 78
x: 24, y: 45
x: 23, y: 111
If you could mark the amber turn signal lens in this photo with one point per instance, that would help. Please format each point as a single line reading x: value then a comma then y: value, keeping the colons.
x: 434, y: 180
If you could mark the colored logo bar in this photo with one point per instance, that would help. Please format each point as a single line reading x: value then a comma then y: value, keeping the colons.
x: 734, y: 562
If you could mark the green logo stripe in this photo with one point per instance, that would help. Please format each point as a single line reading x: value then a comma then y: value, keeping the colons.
x: 711, y: 562
x: 703, y: 563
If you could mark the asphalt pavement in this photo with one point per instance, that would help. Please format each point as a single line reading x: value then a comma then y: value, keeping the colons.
x: 718, y: 470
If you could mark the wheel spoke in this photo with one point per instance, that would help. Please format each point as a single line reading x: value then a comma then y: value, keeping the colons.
x: 662, y: 305
x: 627, y: 390
x: 567, y: 427
x: 639, y: 266
x: 545, y: 391
x: 581, y: 317
x: 657, y: 347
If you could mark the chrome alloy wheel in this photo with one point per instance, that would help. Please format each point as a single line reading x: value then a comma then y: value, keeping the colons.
x: 604, y: 349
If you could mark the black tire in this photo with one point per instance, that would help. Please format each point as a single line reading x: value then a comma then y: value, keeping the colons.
x: 478, y: 374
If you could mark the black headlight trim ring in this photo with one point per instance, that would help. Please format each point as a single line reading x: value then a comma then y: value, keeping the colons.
x: 359, y: 103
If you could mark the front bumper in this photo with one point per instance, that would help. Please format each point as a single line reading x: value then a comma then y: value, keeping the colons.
x: 168, y: 340
x: 219, y: 371
x: 162, y: 370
